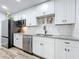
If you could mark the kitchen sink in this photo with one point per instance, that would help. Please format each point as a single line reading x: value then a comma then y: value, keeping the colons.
x: 44, y: 34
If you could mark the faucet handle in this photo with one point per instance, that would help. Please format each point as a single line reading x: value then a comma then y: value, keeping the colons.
x: 44, y: 27
x: 45, y: 32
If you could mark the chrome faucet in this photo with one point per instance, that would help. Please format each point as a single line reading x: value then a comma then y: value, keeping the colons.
x: 45, y: 31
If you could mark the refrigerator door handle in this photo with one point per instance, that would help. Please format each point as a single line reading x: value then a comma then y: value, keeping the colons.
x: 5, y: 36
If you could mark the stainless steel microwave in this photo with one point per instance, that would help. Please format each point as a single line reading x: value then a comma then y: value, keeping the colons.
x: 21, y: 23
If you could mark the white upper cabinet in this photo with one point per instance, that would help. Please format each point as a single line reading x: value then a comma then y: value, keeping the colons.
x: 59, y: 11
x: 65, y: 11
x: 45, y: 8
x: 70, y: 11
x: 77, y: 10
x: 31, y: 21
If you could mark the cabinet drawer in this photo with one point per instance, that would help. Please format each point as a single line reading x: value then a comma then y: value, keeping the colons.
x: 72, y: 43
x: 67, y: 43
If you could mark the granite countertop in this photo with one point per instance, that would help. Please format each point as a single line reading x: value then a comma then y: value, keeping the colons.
x: 61, y: 37
x: 54, y: 36
x: 23, y: 34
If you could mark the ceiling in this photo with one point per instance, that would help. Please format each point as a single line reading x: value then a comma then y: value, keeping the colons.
x: 14, y: 6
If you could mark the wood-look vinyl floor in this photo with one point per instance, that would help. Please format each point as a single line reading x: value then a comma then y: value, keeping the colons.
x: 14, y: 53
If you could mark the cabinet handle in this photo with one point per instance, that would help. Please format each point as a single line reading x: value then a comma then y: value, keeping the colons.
x: 68, y: 50
x: 63, y: 21
x: 17, y: 39
x: 67, y: 42
x: 41, y: 44
x: 65, y: 49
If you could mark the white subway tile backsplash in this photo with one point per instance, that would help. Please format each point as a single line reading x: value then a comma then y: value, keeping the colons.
x: 65, y: 29
x: 52, y: 29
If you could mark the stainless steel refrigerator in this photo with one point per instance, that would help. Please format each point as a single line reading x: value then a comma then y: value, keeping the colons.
x: 7, y: 29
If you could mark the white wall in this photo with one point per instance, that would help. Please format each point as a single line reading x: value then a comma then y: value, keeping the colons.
x: 2, y: 17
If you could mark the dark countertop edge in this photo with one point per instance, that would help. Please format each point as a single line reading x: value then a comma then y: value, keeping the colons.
x: 64, y: 38
x: 55, y: 37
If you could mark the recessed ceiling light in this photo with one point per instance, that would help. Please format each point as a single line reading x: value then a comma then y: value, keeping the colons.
x: 18, y: 0
x: 4, y: 7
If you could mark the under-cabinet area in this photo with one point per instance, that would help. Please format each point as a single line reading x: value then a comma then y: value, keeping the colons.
x: 46, y: 19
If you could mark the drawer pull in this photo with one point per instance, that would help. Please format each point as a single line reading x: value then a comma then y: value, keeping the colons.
x: 62, y: 20
x: 65, y: 49
x: 68, y: 50
x: 17, y: 39
x: 41, y: 44
x: 67, y: 42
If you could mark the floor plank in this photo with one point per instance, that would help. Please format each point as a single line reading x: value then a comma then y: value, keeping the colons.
x: 14, y: 53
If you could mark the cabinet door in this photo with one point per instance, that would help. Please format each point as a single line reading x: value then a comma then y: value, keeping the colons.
x: 31, y: 21
x: 48, y: 48
x: 18, y: 40
x: 77, y: 10
x: 60, y: 50
x: 15, y: 39
x: 65, y: 11
x: 59, y: 11
x: 70, y: 11
x: 38, y: 46
x: 73, y: 53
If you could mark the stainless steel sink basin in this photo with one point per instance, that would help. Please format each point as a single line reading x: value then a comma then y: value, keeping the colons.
x: 44, y: 34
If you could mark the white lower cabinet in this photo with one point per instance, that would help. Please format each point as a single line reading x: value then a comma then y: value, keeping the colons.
x: 37, y: 46
x: 60, y: 51
x: 65, y: 49
x: 50, y: 48
x: 43, y: 47
x: 73, y: 53
x: 18, y: 40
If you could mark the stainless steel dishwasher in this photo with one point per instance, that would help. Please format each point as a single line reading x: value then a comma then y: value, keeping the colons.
x: 27, y: 43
